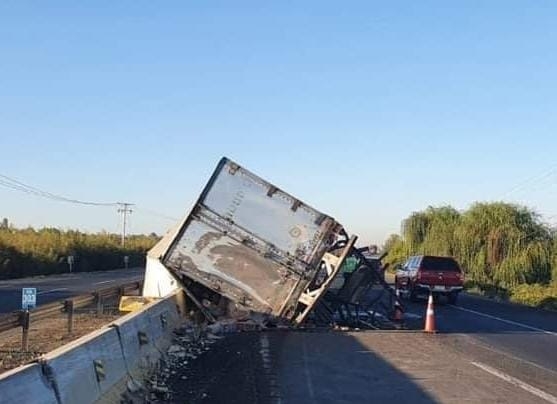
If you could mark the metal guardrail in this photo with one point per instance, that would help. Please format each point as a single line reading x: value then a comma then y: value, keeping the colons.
x: 22, y: 318
x: 9, y: 321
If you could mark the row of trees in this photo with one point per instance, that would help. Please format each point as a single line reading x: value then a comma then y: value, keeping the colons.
x: 499, y: 245
x: 27, y: 252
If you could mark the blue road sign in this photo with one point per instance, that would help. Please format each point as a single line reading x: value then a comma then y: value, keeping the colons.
x: 28, y: 298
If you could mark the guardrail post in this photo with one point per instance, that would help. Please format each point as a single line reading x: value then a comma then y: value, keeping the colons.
x: 70, y: 311
x: 99, y: 303
x: 25, y: 320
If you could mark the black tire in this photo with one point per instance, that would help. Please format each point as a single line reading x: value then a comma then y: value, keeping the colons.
x: 452, y: 297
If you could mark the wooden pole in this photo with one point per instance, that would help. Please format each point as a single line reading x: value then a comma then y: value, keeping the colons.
x: 25, y: 320
x: 70, y: 310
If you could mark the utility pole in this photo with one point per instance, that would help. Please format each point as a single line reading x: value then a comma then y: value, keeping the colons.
x: 124, y: 209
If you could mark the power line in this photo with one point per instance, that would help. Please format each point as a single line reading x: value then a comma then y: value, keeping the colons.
x: 123, y: 207
x: 530, y: 181
x: 157, y: 214
x: 14, y: 184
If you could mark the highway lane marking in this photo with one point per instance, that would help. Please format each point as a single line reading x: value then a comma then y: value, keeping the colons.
x: 309, y: 383
x: 51, y: 291
x: 489, y: 347
x: 517, y: 382
x: 100, y: 283
x: 528, y: 327
x: 265, y: 354
x: 27, y: 282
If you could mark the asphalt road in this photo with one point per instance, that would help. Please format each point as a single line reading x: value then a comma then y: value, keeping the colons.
x: 395, y: 368
x: 59, y: 287
x: 485, y: 351
x: 517, y: 331
x: 311, y: 367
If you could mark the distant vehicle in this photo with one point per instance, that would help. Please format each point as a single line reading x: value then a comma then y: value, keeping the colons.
x: 424, y: 273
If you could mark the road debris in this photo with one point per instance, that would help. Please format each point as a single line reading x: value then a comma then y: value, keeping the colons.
x: 190, y: 341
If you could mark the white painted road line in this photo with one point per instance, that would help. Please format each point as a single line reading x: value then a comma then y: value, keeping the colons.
x: 100, y: 283
x: 528, y: 327
x: 517, y: 382
x: 307, y: 373
x: 44, y: 292
x: 508, y: 355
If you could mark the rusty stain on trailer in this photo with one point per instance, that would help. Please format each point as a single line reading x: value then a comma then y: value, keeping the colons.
x: 236, y: 271
x: 185, y: 263
x: 260, y: 274
x: 206, y: 239
x: 243, y: 262
x: 229, y: 274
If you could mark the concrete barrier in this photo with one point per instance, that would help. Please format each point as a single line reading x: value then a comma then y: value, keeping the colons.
x: 99, y: 364
x: 86, y: 368
x: 163, y: 316
x: 137, y: 344
x: 26, y: 384
x: 145, y: 335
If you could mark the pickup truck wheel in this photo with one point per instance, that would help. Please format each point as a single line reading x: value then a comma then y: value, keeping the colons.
x: 453, y: 297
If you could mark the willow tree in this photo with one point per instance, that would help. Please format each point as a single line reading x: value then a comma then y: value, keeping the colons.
x: 440, y: 239
x: 414, y: 231
x: 504, y: 245
x: 554, y: 260
x: 498, y: 244
x: 431, y: 231
x: 396, y: 250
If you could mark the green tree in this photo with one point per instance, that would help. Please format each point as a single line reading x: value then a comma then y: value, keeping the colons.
x: 498, y: 244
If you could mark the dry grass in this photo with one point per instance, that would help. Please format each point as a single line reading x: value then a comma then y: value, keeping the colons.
x: 46, y: 335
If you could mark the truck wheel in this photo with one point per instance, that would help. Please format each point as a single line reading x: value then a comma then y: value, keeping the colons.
x: 453, y: 297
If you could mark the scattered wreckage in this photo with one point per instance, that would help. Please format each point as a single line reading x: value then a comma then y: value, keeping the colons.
x: 250, y: 252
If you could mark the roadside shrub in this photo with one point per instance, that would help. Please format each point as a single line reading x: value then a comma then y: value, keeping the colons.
x: 535, y: 295
x: 29, y: 252
x: 486, y: 289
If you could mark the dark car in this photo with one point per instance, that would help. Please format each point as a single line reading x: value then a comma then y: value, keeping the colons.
x: 421, y: 274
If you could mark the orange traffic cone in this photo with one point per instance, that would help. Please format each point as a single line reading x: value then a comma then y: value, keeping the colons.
x: 398, y: 312
x: 430, y: 316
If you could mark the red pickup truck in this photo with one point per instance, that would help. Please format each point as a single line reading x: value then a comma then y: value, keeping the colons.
x: 424, y: 273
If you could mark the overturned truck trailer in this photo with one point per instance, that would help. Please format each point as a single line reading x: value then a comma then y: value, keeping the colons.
x: 248, y: 247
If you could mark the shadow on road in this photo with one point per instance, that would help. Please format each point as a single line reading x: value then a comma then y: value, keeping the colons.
x: 293, y: 367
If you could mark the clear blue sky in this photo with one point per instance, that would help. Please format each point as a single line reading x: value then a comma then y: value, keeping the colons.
x: 365, y: 110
